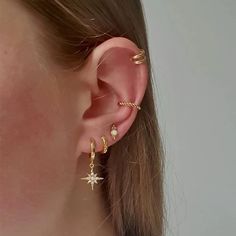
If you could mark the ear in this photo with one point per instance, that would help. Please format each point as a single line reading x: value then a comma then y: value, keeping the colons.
x: 111, y: 77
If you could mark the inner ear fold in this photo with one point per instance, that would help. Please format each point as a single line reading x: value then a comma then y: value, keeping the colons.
x: 115, y: 73
x: 116, y: 69
x: 103, y: 102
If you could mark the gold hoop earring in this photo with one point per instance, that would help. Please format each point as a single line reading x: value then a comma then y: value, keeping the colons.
x: 105, y: 144
x: 129, y: 104
x: 92, y: 178
x: 139, y: 58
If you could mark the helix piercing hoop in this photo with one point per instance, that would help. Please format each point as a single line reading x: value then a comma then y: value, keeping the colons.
x: 92, y: 177
x: 129, y: 104
x: 139, y: 58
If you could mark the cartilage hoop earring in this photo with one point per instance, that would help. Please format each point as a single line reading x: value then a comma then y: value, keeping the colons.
x: 92, y: 177
x: 139, y: 58
x: 129, y: 104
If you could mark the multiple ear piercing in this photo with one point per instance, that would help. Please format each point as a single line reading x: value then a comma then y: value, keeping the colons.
x: 92, y: 178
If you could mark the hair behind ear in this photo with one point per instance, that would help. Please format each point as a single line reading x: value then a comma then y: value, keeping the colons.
x: 134, y: 177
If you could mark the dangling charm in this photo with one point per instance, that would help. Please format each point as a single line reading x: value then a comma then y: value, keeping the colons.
x: 92, y: 177
x: 114, y: 131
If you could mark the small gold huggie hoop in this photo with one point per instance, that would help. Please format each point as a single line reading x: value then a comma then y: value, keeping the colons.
x: 92, y: 148
x: 129, y: 104
x: 139, y: 58
x: 105, y: 144
x: 92, y: 177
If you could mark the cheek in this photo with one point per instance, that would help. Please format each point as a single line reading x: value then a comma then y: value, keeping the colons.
x: 33, y: 151
x: 35, y: 170
x: 21, y: 120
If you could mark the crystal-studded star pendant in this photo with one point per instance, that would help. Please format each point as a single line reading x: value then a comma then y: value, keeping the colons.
x: 92, y: 179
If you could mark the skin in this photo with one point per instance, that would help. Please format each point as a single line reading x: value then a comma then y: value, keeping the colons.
x: 47, y: 117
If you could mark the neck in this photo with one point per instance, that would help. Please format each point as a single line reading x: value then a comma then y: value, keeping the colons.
x: 84, y: 212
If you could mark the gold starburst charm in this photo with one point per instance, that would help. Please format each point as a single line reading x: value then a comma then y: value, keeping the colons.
x: 92, y: 179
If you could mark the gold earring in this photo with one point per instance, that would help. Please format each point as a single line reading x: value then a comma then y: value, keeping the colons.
x: 105, y: 144
x: 129, y: 104
x: 92, y: 178
x: 139, y: 58
x: 114, y: 131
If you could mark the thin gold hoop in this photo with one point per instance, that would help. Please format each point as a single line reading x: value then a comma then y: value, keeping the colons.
x: 92, y: 148
x: 139, y: 58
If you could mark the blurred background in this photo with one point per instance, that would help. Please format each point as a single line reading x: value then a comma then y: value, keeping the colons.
x: 192, y: 44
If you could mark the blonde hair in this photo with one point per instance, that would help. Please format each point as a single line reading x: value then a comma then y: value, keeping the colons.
x: 133, y: 187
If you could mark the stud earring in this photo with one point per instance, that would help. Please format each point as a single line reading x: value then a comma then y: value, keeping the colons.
x: 139, y: 58
x: 129, y: 104
x: 105, y: 144
x: 114, y: 131
x: 92, y: 178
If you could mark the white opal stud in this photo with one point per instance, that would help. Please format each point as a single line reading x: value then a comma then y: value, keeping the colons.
x: 114, y: 131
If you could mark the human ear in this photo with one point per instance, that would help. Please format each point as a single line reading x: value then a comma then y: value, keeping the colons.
x: 111, y: 77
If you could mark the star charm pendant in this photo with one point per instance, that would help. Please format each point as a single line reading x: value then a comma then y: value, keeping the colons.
x: 92, y: 179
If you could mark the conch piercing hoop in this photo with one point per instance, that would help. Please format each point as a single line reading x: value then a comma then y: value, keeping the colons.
x: 92, y: 177
x: 139, y: 58
x: 129, y: 104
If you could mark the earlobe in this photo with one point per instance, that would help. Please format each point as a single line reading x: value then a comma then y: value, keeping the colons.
x: 117, y: 75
